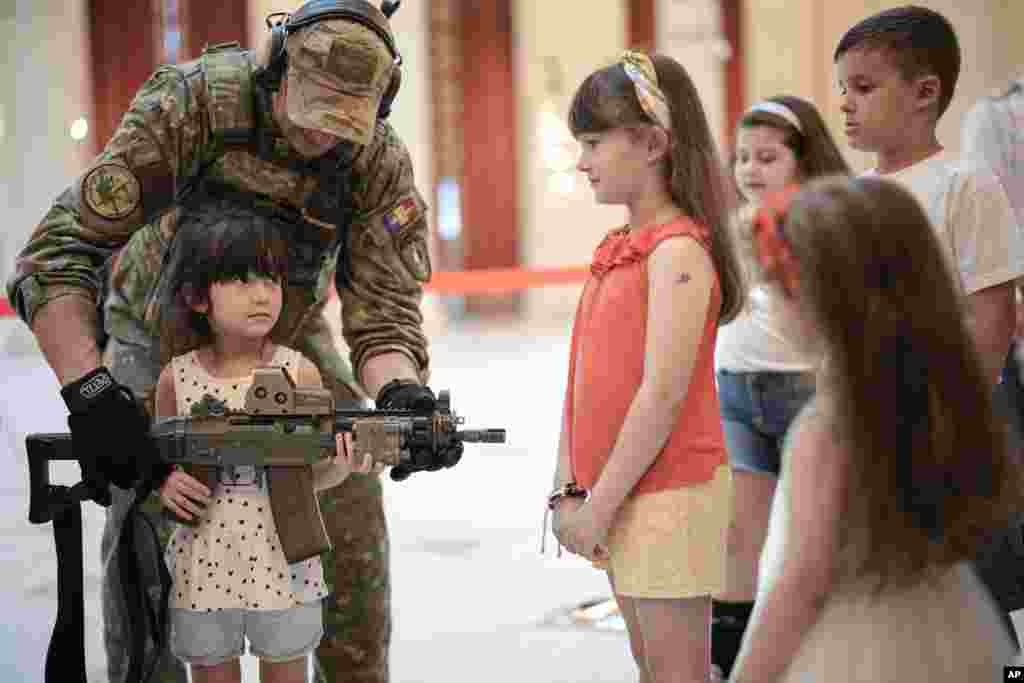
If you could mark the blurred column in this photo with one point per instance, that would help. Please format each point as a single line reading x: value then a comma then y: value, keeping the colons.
x: 557, y: 45
x: 705, y: 36
x: 691, y: 31
x: 126, y: 46
x: 129, y: 40
x: 46, y: 117
x: 205, y: 23
x: 640, y: 25
x: 13, y: 187
x: 735, y: 76
x: 477, y: 200
x: 446, y: 86
x: 490, y: 197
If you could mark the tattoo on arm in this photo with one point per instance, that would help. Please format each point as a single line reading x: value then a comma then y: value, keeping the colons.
x: 683, y: 278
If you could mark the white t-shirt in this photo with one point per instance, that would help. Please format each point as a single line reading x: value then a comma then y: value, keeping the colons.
x: 992, y: 135
x: 762, y: 338
x: 972, y: 217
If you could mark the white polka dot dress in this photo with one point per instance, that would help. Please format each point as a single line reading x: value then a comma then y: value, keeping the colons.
x: 233, y: 558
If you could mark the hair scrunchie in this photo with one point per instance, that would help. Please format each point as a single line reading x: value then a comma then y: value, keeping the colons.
x: 773, y: 249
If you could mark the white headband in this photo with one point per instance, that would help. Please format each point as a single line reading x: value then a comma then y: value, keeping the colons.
x: 780, y: 110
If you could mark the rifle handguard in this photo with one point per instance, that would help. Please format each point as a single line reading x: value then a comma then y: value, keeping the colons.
x: 282, y: 425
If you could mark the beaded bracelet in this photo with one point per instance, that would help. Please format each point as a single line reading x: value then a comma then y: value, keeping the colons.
x: 569, y: 489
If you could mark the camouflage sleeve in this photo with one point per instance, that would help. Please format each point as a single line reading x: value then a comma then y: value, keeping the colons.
x: 317, y: 343
x: 132, y: 180
x: 390, y: 260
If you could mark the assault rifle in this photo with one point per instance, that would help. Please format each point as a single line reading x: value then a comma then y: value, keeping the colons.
x: 283, y: 427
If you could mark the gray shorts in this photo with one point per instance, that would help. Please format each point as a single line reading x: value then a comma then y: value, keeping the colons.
x: 211, y: 638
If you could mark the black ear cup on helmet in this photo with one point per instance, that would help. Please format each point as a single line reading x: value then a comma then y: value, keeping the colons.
x: 357, y: 11
x: 390, y: 93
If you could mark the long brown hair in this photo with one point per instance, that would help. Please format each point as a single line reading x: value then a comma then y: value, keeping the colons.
x: 607, y: 99
x: 929, y: 474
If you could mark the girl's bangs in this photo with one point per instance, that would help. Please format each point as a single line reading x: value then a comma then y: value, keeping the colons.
x: 243, y: 249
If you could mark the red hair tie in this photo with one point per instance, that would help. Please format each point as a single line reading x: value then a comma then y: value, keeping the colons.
x: 772, y: 246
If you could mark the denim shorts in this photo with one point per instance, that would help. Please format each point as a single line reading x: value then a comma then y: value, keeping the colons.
x: 211, y: 638
x: 757, y: 409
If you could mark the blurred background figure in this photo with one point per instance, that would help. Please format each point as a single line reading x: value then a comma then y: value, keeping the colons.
x: 764, y: 376
x: 992, y: 137
x: 896, y: 472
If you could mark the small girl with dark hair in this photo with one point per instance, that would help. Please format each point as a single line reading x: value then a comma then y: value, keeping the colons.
x: 642, y: 484
x: 895, y: 472
x: 231, y: 577
x: 763, y: 375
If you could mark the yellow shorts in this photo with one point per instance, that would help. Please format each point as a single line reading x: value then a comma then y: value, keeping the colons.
x: 672, y: 544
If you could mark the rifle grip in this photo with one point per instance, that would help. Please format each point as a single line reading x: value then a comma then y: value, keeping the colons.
x: 39, y: 485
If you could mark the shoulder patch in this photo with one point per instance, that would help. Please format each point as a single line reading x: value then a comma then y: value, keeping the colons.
x: 400, y: 216
x: 111, y: 191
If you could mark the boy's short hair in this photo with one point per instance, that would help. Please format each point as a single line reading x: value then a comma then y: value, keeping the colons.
x: 919, y: 40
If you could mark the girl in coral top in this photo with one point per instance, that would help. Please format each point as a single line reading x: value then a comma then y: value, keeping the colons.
x: 642, y: 485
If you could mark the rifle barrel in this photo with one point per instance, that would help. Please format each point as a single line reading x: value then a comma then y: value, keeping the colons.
x: 481, y: 435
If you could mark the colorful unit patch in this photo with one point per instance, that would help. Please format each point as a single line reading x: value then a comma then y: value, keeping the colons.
x: 400, y: 216
x: 111, y: 191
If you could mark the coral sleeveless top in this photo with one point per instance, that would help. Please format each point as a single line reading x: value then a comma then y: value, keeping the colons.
x: 607, y: 363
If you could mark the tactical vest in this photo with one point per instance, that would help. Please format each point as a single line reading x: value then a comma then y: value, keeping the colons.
x: 228, y: 72
x: 234, y: 104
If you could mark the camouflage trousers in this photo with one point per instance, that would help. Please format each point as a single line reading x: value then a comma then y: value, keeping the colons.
x: 357, y: 613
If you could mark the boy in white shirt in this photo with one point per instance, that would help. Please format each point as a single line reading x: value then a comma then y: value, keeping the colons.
x: 896, y: 72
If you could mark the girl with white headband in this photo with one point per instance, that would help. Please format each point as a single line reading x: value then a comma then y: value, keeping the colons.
x: 764, y: 375
x: 642, y: 484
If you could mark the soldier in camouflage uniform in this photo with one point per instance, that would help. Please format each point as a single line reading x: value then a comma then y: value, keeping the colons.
x: 211, y: 128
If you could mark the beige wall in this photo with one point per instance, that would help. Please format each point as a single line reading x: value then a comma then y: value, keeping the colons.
x: 790, y: 45
x: 561, y: 225
x: 44, y: 87
x: 691, y: 31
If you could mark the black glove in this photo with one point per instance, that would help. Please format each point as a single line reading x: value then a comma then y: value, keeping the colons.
x: 110, y: 430
x: 403, y: 394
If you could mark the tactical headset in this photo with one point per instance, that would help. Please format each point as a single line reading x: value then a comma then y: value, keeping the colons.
x: 357, y: 11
